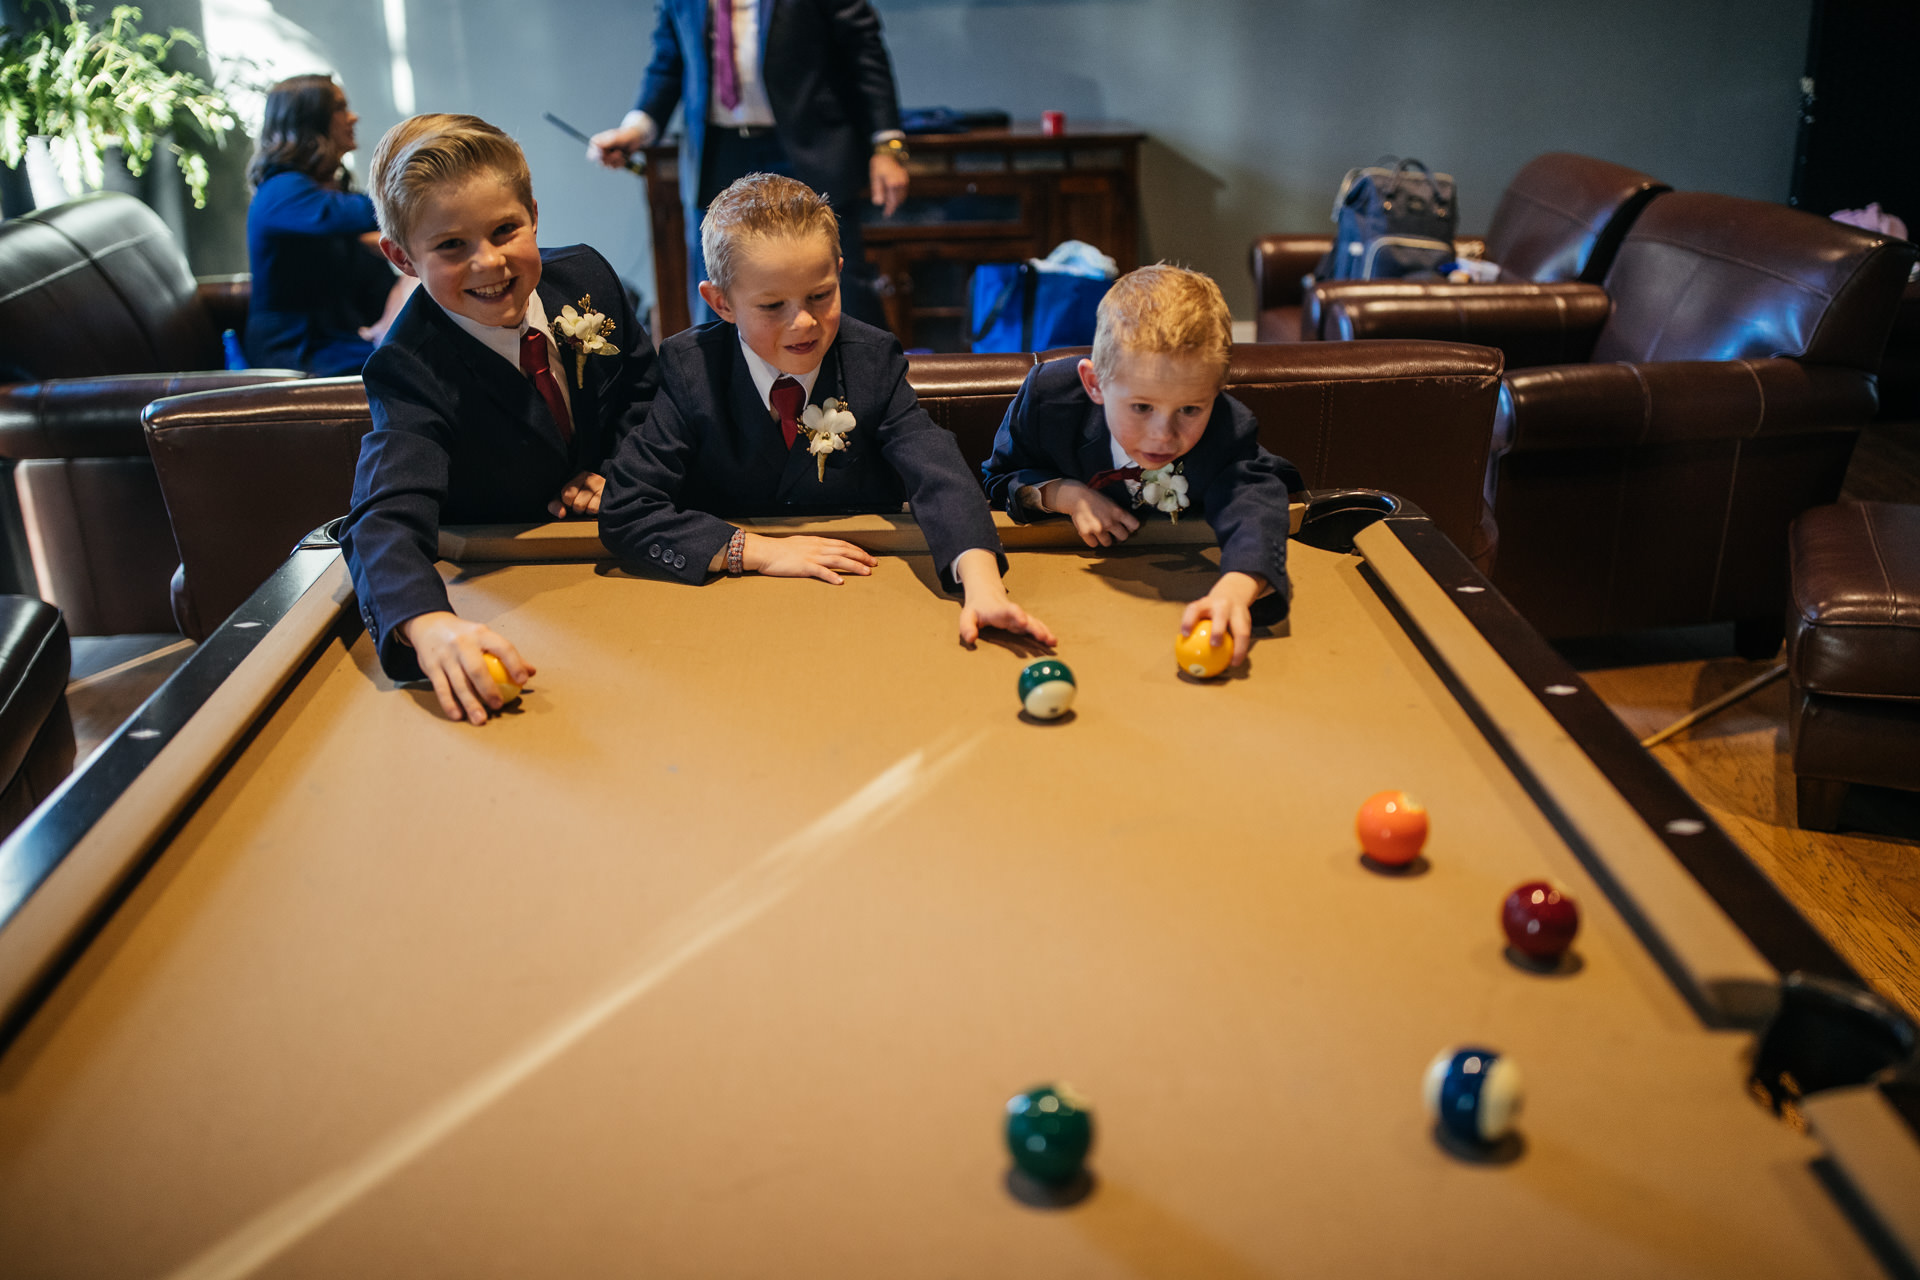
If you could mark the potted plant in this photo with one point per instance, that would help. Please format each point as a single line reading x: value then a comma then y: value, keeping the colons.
x: 88, y: 88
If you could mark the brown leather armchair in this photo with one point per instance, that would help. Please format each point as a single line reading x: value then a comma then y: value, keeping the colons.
x: 1728, y: 368
x: 97, y: 313
x: 1561, y: 218
x: 248, y: 472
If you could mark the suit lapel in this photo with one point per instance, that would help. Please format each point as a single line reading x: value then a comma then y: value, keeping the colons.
x: 766, y: 25
x: 583, y: 400
x: 801, y: 475
x: 1095, y: 451
x: 759, y: 433
x: 509, y: 388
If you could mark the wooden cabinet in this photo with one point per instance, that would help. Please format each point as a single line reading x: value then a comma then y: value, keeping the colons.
x: 1000, y: 195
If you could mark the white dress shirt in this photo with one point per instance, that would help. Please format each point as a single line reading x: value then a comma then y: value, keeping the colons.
x: 505, y: 342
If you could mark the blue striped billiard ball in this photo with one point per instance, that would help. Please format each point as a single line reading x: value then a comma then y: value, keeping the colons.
x: 1474, y: 1093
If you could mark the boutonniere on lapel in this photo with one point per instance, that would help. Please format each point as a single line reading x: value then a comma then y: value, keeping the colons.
x: 1164, y: 489
x: 586, y: 332
x: 826, y: 426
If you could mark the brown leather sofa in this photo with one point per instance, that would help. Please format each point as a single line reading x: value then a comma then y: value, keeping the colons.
x: 248, y: 472
x: 1725, y: 371
x: 98, y: 314
x: 1561, y: 218
x: 1853, y: 654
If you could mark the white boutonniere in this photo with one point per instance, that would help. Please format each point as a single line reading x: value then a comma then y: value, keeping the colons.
x: 1164, y: 489
x: 826, y: 426
x: 586, y: 332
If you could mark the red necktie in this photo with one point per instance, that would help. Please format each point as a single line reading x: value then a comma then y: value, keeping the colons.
x: 533, y: 363
x: 788, y: 397
x: 726, y: 81
x: 1101, y: 479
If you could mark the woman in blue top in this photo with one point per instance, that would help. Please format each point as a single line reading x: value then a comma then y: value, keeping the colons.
x: 322, y: 293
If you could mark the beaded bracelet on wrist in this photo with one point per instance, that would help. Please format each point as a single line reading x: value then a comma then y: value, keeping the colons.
x: 736, y: 549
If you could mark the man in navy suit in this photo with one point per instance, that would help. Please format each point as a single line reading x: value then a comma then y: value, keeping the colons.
x: 1144, y: 426
x: 800, y: 87
x: 786, y: 408
x: 504, y: 385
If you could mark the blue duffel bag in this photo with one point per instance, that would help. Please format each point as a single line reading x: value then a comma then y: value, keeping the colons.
x: 1019, y: 307
x: 1391, y: 220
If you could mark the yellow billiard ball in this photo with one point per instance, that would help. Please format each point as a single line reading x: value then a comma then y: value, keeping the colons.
x: 501, y: 681
x: 1196, y: 653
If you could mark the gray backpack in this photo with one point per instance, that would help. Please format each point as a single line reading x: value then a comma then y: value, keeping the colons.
x: 1393, y: 219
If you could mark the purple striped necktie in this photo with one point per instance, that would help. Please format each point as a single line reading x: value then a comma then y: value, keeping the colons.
x: 726, y: 79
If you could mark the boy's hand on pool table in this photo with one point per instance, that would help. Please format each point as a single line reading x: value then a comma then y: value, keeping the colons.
x: 1096, y: 518
x: 1229, y: 605
x: 804, y: 556
x: 987, y: 603
x: 581, y: 497
x: 451, y: 649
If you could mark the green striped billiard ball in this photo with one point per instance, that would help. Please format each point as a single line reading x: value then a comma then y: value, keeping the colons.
x: 1046, y: 689
x: 1049, y: 1130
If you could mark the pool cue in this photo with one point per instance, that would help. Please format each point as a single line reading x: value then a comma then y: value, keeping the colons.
x: 636, y: 163
x: 1718, y: 705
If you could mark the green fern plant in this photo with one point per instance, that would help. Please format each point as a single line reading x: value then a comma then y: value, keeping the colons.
x: 96, y: 86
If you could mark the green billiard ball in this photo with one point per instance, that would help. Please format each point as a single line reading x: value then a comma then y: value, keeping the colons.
x: 1046, y: 689
x: 1048, y: 1132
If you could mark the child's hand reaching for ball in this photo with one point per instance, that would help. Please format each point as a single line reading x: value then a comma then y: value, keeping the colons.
x: 580, y: 497
x: 1229, y: 605
x: 987, y: 603
x: 1098, y: 520
x: 453, y: 654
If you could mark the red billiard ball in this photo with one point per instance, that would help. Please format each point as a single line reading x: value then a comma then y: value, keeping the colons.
x: 1540, y: 920
x: 1392, y: 827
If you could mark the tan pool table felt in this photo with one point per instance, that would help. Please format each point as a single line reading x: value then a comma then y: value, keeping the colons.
x: 602, y: 988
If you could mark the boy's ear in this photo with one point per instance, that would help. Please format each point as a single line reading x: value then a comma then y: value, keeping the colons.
x: 398, y: 257
x: 1091, y: 381
x: 533, y: 214
x: 717, y: 300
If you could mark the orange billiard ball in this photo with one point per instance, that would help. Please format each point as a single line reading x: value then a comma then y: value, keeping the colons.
x: 1392, y: 827
x: 501, y: 680
x: 1197, y: 654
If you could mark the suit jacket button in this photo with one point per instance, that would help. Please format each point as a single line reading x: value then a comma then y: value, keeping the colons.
x: 654, y: 551
x: 679, y: 562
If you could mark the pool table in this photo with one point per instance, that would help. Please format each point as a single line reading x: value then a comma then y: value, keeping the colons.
x: 721, y: 951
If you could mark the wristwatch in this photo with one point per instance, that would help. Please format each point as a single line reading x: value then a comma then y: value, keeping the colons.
x: 892, y: 147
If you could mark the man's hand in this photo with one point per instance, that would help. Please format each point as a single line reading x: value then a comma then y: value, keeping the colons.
x: 613, y: 147
x: 889, y: 181
x: 450, y: 648
x: 987, y: 603
x: 803, y: 556
x: 1096, y: 518
x: 581, y: 497
x: 1228, y: 605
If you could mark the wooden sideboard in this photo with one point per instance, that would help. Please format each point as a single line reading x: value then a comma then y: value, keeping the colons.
x: 998, y: 195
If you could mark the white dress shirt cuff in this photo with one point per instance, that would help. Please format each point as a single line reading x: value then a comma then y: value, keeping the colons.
x: 649, y: 131
x: 888, y: 135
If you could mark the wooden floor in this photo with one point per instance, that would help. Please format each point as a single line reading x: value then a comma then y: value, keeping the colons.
x: 1861, y: 886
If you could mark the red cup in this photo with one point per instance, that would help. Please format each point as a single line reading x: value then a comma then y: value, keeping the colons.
x: 1053, y: 123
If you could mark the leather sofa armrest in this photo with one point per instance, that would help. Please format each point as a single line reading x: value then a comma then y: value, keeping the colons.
x: 226, y: 299
x: 1531, y: 324
x: 1279, y: 262
x: 100, y: 417
x: 1602, y: 406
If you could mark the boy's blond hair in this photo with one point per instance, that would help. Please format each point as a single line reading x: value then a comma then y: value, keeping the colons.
x: 427, y: 151
x: 762, y: 206
x: 1162, y: 310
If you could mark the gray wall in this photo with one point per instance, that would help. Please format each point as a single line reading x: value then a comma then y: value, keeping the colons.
x: 1255, y: 109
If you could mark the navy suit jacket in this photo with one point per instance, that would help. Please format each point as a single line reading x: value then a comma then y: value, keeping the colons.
x: 827, y: 77
x: 461, y: 437
x: 1053, y: 429
x: 314, y: 283
x: 711, y: 448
